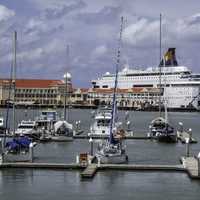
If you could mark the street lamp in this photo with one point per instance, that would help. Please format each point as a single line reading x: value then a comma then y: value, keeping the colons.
x: 67, y: 77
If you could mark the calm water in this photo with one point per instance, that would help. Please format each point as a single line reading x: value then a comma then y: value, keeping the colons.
x: 47, y: 184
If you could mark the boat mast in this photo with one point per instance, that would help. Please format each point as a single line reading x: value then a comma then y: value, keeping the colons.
x: 160, y: 65
x: 14, y: 75
x: 113, y: 118
x: 165, y: 102
x: 67, y: 89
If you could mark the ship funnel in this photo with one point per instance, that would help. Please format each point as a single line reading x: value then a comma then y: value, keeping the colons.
x: 170, y: 58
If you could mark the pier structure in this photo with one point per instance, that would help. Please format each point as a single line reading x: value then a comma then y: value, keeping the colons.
x: 190, y: 165
x: 182, y: 136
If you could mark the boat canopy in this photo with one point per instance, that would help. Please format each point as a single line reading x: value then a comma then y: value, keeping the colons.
x: 22, y: 142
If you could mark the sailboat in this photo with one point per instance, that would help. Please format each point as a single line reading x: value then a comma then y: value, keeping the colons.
x: 19, y: 148
x: 113, y: 151
x: 2, y: 128
x: 160, y: 128
x: 63, y: 130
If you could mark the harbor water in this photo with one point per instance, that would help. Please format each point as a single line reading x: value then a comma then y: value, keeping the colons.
x: 62, y: 184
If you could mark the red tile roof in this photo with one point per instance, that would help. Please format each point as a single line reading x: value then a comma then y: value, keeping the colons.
x: 33, y: 83
x: 123, y: 91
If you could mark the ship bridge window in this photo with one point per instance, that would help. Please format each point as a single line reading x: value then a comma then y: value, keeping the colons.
x: 105, y: 86
x: 96, y: 86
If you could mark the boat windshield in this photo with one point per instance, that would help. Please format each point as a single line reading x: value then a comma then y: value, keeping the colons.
x: 25, y: 126
x: 103, y: 122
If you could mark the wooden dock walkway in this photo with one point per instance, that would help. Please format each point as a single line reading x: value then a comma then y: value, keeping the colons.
x: 89, y: 171
x: 183, y: 135
x: 191, y: 165
x: 148, y: 167
x: 41, y: 165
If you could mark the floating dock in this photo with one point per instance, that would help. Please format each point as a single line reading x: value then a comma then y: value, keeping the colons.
x: 192, y: 165
x: 41, y: 165
x: 89, y: 171
x: 183, y: 135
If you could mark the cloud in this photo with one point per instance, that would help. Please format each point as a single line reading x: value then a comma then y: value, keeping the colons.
x: 145, y: 32
x: 57, y: 12
x: 106, y: 15
x: 99, y: 51
x: 5, y: 13
x: 92, y: 29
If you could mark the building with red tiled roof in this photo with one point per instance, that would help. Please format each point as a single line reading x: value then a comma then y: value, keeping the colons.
x: 131, y: 97
x: 51, y: 92
x: 34, y: 91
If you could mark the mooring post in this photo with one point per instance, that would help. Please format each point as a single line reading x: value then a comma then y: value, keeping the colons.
x: 91, y: 146
x: 187, y: 141
x: 180, y: 127
x: 190, y: 134
x: 31, y: 151
x: 98, y: 161
x: 2, y: 151
x: 77, y: 159
x: 198, y: 163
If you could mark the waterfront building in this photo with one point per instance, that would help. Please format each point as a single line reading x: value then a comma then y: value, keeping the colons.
x: 129, y: 98
x: 34, y: 91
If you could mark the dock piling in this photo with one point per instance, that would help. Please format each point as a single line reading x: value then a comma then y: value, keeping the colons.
x: 187, y: 141
x: 31, y: 152
x: 91, y: 146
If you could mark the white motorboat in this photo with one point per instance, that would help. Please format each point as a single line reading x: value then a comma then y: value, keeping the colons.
x: 101, y: 122
x: 26, y: 128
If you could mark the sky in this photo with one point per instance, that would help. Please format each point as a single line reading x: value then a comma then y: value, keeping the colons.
x: 91, y: 29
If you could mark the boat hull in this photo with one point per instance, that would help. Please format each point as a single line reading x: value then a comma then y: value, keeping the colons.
x: 112, y: 158
x: 21, y: 157
x: 167, y: 138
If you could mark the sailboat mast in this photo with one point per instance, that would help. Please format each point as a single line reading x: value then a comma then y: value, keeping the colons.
x: 116, y: 82
x: 165, y: 101
x: 67, y: 89
x: 160, y: 65
x: 14, y: 75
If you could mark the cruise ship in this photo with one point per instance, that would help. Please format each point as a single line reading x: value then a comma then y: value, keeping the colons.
x: 180, y: 87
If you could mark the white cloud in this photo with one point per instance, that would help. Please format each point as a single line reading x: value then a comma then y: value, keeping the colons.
x: 99, y: 51
x: 5, y: 13
x: 143, y: 31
